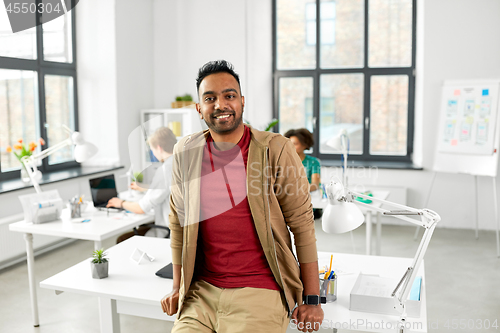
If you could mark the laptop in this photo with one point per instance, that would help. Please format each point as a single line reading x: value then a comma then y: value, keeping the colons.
x: 103, y: 189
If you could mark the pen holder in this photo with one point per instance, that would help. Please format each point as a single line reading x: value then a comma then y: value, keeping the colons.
x: 328, y: 289
x: 75, y: 210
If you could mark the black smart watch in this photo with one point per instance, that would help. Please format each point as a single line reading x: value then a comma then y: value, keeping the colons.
x: 312, y: 299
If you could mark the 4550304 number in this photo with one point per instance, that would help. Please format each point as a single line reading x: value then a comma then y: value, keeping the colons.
x: 32, y: 8
x: 471, y: 324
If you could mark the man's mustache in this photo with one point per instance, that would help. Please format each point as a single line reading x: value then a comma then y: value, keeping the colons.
x: 219, y: 112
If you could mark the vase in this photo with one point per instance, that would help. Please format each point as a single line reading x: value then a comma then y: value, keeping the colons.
x: 99, y: 271
x: 25, y: 177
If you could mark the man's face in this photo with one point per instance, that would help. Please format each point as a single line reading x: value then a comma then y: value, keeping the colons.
x: 221, y: 103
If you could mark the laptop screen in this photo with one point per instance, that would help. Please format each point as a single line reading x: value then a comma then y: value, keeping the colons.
x: 103, y: 189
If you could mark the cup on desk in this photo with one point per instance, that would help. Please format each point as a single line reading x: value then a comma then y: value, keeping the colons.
x: 75, y: 209
x: 328, y: 288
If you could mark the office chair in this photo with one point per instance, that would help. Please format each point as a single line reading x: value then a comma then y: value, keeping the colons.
x: 152, y: 226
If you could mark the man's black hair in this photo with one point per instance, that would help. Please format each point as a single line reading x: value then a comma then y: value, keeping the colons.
x: 217, y: 66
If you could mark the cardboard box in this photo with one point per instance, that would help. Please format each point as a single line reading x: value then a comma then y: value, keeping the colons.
x: 372, y: 293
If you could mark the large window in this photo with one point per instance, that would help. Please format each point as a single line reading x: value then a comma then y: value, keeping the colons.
x: 37, y: 90
x: 352, y: 69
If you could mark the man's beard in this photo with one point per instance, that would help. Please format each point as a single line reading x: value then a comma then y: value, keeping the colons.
x: 224, y: 128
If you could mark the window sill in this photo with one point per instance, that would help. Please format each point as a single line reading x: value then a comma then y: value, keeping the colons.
x: 54, y: 177
x: 373, y: 164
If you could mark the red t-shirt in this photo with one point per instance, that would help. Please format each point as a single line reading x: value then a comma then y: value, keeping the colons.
x: 229, y: 251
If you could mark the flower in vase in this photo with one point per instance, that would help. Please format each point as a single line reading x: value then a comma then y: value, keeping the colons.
x: 21, y: 149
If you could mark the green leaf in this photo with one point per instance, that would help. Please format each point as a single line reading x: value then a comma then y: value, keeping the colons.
x: 99, y: 256
x: 271, y: 124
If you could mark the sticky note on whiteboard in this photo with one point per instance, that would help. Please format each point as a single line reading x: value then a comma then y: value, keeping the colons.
x: 456, y: 92
x: 486, y: 92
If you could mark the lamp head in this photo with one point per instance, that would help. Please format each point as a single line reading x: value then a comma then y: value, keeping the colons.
x: 83, y: 150
x: 339, y: 142
x: 340, y: 215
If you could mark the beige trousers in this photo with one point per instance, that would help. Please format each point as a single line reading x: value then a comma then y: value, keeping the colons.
x: 210, y: 309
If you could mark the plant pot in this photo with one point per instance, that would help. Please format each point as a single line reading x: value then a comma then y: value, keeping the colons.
x: 99, y: 271
x: 183, y: 104
x: 25, y: 177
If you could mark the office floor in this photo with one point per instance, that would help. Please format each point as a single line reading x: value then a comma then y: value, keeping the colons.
x: 462, y: 283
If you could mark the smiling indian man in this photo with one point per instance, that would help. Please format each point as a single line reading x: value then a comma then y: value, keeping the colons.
x: 237, y: 192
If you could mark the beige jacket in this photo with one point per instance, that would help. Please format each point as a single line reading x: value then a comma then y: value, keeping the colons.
x: 278, y: 195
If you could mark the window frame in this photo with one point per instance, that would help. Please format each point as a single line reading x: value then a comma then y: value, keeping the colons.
x: 42, y: 68
x: 367, y: 72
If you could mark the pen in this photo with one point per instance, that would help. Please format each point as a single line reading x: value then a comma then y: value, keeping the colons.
x: 327, y: 274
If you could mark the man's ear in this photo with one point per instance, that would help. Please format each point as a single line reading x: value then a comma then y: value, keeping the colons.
x: 242, y: 102
x: 198, y: 109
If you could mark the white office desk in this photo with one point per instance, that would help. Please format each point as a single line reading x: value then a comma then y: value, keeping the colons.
x: 135, y: 290
x: 347, y: 267
x: 319, y: 202
x: 129, y: 289
x: 100, y: 227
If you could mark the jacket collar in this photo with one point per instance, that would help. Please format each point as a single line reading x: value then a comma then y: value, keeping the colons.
x: 260, y: 138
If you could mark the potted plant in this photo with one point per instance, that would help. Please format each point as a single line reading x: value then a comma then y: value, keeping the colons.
x: 182, y: 101
x: 99, y: 264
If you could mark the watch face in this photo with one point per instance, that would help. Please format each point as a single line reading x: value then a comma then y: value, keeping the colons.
x: 312, y: 299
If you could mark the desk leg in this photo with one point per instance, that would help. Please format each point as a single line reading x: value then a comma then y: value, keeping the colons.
x: 110, y: 320
x: 368, y: 232
x: 379, y: 233
x: 30, y: 258
x: 97, y: 245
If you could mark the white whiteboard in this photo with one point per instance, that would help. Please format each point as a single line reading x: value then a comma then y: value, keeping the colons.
x: 468, y: 130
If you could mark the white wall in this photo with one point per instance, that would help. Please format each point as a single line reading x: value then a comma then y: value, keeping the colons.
x: 187, y: 34
x: 134, y: 69
x: 459, y: 39
x: 97, y: 86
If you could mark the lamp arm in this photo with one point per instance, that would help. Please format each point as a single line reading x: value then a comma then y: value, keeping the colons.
x: 406, y: 281
x: 29, y: 162
x: 393, y: 204
x: 49, y: 151
x: 26, y: 161
x: 430, y: 215
x: 428, y: 220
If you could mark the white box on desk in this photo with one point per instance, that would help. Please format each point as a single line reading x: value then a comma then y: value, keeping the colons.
x: 372, y: 293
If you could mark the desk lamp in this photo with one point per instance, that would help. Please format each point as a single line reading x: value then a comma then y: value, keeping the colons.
x: 351, y: 215
x: 82, y: 152
x: 346, y: 218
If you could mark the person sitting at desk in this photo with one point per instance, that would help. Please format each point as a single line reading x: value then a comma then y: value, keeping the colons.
x: 302, y: 139
x: 157, y: 196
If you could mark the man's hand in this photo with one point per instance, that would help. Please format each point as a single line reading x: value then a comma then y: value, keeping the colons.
x: 170, y: 302
x: 308, y: 317
x: 114, y: 202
